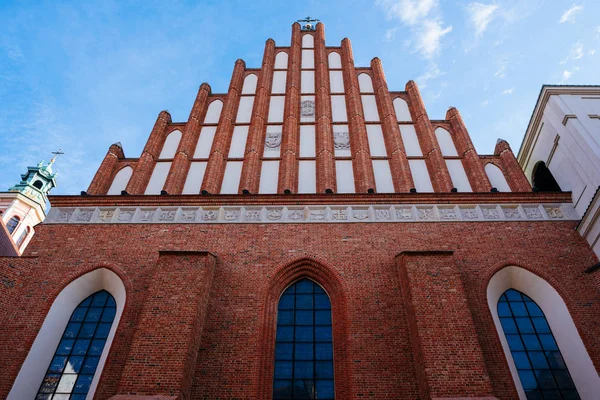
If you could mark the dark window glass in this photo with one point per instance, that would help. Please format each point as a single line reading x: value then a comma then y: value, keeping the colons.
x: 12, y: 224
x: 72, y: 369
x: 304, y: 348
x: 540, y: 365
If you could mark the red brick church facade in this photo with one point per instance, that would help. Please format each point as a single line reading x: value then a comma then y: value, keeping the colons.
x: 412, y: 237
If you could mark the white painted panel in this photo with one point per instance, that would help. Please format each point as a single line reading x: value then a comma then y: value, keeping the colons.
x: 214, y: 112
x: 307, y: 82
x: 269, y: 175
x: 231, y: 179
x: 411, y: 142
x: 308, y: 59
x: 402, y: 111
x: 341, y: 135
x: 344, y: 176
x: 376, y: 143
x: 238, y: 142
x: 307, y: 140
x: 250, y: 84
x: 158, y: 178
x: 364, y: 83
x: 120, y: 181
x: 307, y: 109
x: 276, y: 106
x: 281, y: 60
x: 383, y: 176
x: 308, y: 41
x: 496, y: 177
x: 338, y: 109
x: 171, y: 143
x: 420, y: 176
x: 279, y: 78
x: 274, y: 134
x: 335, y: 61
x: 446, y: 143
x: 307, y: 177
x: 336, y: 81
x: 245, y: 109
x: 370, y: 108
x: 207, y: 134
x: 458, y: 175
x: 193, y: 181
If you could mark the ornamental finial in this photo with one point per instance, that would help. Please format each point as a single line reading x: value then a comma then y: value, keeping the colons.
x: 307, y: 23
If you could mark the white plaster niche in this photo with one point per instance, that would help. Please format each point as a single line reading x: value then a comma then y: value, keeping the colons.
x: 207, y: 135
x: 376, y: 142
x: 383, y: 176
x: 171, y: 143
x: 194, y: 178
x: 370, y: 107
x: 420, y: 174
x: 335, y: 61
x: 279, y: 79
x: 402, y: 111
x: 365, y: 83
x: 496, y: 177
x: 458, y: 175
x: 276, y: 106
x: 446, y: 143
x: 336, y: 82
x: 308, y: 41
x: 158, y: 178
x: 308, y: 59
x: 269, y: 175
x: 338, y: 109
x: 344, y: 176
x: 307, y: 141
x: 281, y: 60
x: 410, y: 140
x: 307, y: 177
x: 231, y: 179
x: 120, y: 181
x: 244, y: 113
x: 214, y: 112
x: 250, y: 84
x: 238, y: 142
x: 307, y: 82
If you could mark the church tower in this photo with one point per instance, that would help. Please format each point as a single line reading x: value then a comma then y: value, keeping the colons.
x: 24, y: 206
x: 309, y: 234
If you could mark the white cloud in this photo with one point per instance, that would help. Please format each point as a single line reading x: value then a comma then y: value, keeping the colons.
x: 480, y: 15
x: 431, y: 72
x: 592, y: 52
x: 389, y: 34
x: 485, y: 103
x: 429, y: 42
x: 566, y: 75
x: 424, y: 19
x: 501, y: 73
x: 508, y: 91
x: 569, y: 15
x: 577, y: 51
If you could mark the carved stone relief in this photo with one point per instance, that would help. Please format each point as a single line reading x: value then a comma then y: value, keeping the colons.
x: 308, y: 108
x: 273, y: 141
x: 341, y: 140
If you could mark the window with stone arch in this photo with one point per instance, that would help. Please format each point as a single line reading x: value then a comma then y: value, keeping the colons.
x: 75, y: 361
x: 304, y: 344
x: 539, y: 362
x: 12, y: 224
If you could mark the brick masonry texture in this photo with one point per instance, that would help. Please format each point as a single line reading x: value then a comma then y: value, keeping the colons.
x: 376, y: 324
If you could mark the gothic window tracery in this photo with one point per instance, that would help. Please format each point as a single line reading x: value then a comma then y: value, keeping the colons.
x: 73, y: 366
x: 304, y: 344
x: 539, y: 362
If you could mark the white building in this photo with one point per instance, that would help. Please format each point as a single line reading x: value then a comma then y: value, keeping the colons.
x: 561, y: 150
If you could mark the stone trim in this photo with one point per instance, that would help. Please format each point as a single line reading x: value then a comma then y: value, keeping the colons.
x: 313, y: 214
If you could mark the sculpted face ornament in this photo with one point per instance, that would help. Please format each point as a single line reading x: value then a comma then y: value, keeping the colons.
x: 341, y: 140
x: 273, y: 140
x: 308, y: 108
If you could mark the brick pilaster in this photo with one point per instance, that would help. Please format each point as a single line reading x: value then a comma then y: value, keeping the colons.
x: 215, y: 169
x: 401, y: 175
x: 441, y: 328
x: 187, y: 144
x: 103, y: 178
x: 288, y: 170
x: 250, y: 179
x: 438, y: 171
x: 515, y: 176
x: 143, y: 170
x: 359, y: 143
x: 169, y: 327
x: 326, y: 178
x: 473, y: 167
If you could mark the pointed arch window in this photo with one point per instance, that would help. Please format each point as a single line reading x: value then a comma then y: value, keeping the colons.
x: 539, y: 362
x: 304, y: 345
x: 73, y: 366
x: 12, y: 224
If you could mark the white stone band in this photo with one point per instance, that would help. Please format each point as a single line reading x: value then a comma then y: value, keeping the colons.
x: 313, y: 214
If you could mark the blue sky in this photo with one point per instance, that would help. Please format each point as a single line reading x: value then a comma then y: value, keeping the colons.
x: 82, y: 75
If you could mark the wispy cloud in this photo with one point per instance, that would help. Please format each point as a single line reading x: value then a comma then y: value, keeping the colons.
x: 423, y: 17
x: 485, y: 103
x: 597, y: 32
x: 501, y: 73
x: 389, y: 34
x: 566, y: 75
x: 480, y: 16
x: 508, y: 91
x: 592, y: 52
x: 431, y: 72
x: 569, y: 15
x: 577, y: 51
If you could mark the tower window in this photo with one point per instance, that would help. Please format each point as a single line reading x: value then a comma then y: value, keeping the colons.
x: 540, y: 365
x: 304, y: 345
x: 22, y: 236
x: 12, y: 224
x: 543, y: 180
x: 38, y: 184
x: 73, y: 366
